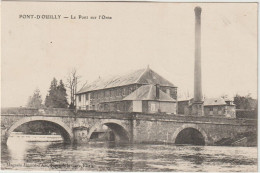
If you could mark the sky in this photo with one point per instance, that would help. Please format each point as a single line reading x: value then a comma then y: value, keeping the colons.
x: 160, y: 35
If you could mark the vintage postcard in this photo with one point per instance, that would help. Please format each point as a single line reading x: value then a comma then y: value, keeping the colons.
x: 129, y: 86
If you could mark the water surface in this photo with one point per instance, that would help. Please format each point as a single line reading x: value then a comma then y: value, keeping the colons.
x: 97, y: 156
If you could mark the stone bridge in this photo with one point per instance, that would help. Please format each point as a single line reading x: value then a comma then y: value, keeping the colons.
x: 131, y: 127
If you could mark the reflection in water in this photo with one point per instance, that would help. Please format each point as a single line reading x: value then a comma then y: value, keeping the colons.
x: 109, y: 156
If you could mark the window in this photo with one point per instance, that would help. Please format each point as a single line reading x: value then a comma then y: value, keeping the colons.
x: 113, y: 93
x: 210, y: 110
x: 86, y: 95
x: 126, y: 91
x: 152, y: 107
x: 220, y: 110
x: 80, y: 98
x: 123, y: 107
x: 130, y: 90
x: 106, y: 93
x: 106, y: 107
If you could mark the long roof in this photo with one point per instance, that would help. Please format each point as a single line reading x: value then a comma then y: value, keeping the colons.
x: 141, y: 76
x: 148, y: 92
x: 209, y: 101
x: 214, y: 101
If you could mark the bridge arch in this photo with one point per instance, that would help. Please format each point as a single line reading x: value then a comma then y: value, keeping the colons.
x: 119, y: 129
x: 191, y: 127
x: 66, y: 132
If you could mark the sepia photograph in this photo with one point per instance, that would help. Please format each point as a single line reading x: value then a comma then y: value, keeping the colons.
x: 129, y: 86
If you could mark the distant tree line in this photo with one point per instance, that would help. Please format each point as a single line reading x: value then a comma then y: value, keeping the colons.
x: 56, y: 97
x: 57, y: 94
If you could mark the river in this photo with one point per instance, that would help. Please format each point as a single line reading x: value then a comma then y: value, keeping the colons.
x: 107, y: 156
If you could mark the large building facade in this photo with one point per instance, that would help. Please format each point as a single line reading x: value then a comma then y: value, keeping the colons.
x: 140, y: 91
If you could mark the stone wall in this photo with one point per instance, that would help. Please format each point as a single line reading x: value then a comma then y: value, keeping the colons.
x: 121, y: 106
x: 157, y: 106
x: 231, y: 111
x: 182, y: 105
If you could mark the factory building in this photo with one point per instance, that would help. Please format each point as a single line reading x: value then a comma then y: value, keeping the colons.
x: 140, y: 91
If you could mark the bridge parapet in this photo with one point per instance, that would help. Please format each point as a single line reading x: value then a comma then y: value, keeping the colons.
x: 197, y: 119
x: 35, y: 111
x: 61, y: 112
x: 97, y: 114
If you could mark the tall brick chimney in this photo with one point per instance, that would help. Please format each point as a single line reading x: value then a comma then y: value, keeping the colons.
x: 197, y: 107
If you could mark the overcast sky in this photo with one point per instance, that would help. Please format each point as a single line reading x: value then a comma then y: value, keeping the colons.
x: 160, y: 35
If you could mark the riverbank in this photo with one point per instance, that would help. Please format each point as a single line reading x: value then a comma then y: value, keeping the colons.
x: 36, y: 138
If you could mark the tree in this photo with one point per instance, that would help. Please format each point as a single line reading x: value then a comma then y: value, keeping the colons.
x: 35, y: 101
x: 245, y: 102
x: 71, y: 84
x: 62, y: 96
x: 50, y: 100
x: 57, y: 97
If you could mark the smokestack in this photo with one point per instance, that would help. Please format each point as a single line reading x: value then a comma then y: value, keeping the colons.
x: 197, y: 105
x: 197, y: 67
x: 157, y: 96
